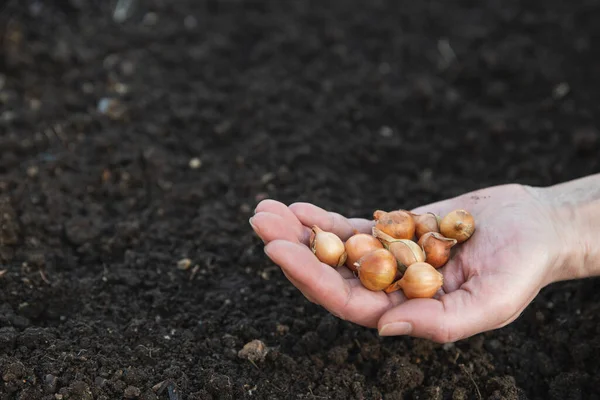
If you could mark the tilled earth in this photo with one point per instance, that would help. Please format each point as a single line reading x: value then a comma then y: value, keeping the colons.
x: 133, y: 140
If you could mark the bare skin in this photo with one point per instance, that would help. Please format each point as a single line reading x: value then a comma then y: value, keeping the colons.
x: 525, y: 238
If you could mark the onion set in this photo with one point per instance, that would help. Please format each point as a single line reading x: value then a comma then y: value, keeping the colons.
x: 403, y: 251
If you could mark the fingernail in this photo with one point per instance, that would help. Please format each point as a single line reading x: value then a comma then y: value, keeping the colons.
x: 256, y: 230
x: 396, y: 328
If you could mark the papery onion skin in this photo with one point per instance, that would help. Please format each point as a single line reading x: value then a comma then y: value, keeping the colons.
x: 398, y: 224
x: 406, y: 252
x: 421, y: 280
x: 377, y: 269
x: 425, y: 223
x: 437, y: 248
x: 459, y: 225
x: 359, y: 245
x: 327, y: 247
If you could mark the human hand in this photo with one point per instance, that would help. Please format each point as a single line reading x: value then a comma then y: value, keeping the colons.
x: 490, y: 280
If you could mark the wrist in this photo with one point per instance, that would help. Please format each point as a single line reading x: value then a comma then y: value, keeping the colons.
x: 575, y: 209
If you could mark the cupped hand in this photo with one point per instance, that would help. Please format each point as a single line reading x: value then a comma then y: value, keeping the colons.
x: 489, y: 281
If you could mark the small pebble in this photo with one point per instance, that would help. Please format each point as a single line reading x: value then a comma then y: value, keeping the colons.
x: 254, y: 351
x: 386, y: 131
x: 184, y: 264
x: 132, y: 392
x: 282, y: 329
x: 113, y: 108
x: 268, y: 177
x: 561, y: 90
x: 195, y: 163
x: 32, y: 171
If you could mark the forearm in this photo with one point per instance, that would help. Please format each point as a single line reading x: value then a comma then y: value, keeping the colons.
x: 577, y: 206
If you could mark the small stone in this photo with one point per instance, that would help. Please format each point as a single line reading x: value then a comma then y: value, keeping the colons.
x: 254, y: 351
x: 282, y: 329
x: 561, y: 90
x: 184, y: 264
x: 195, y: 163
x: 132, y: 392
x: 121, y: 88
x: 268, y: 177
x: 112, y: 108
x: 50, y: 383
x: 386, y: 131
x: 32, y: 171
x: 35, y: 104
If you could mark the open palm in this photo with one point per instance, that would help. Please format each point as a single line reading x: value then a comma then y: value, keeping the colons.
x: 488, y: 282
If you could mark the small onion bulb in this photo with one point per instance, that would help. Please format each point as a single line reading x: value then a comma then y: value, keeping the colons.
x: 328, y: 248
x: 359, y: 245
x: 424, y: 223
x: 397, y: 224
x: 458, y: 224
x: 377, y: 269
x: 406, y: 252
x: 436, y: 248
x: 420, y: 280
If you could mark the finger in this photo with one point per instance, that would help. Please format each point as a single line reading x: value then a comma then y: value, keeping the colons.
x: 269, y: 227
x: 300, y: 287
x: 345, y: 298
x: 454, y: 275
x: 276, y: 207
x: 309, y: 215
x: 455, y: 316
x: 347, y: 274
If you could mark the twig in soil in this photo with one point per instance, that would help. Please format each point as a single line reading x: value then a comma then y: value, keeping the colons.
x: 466, y: 371
x: 253, y: 363
x: 43, y: 275
x: 171, y: 389
x: 194, y: 272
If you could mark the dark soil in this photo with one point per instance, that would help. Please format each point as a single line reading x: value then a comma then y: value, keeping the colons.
x: 353, y: 105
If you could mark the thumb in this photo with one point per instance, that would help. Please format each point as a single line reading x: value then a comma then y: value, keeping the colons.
x: 454, y: 316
